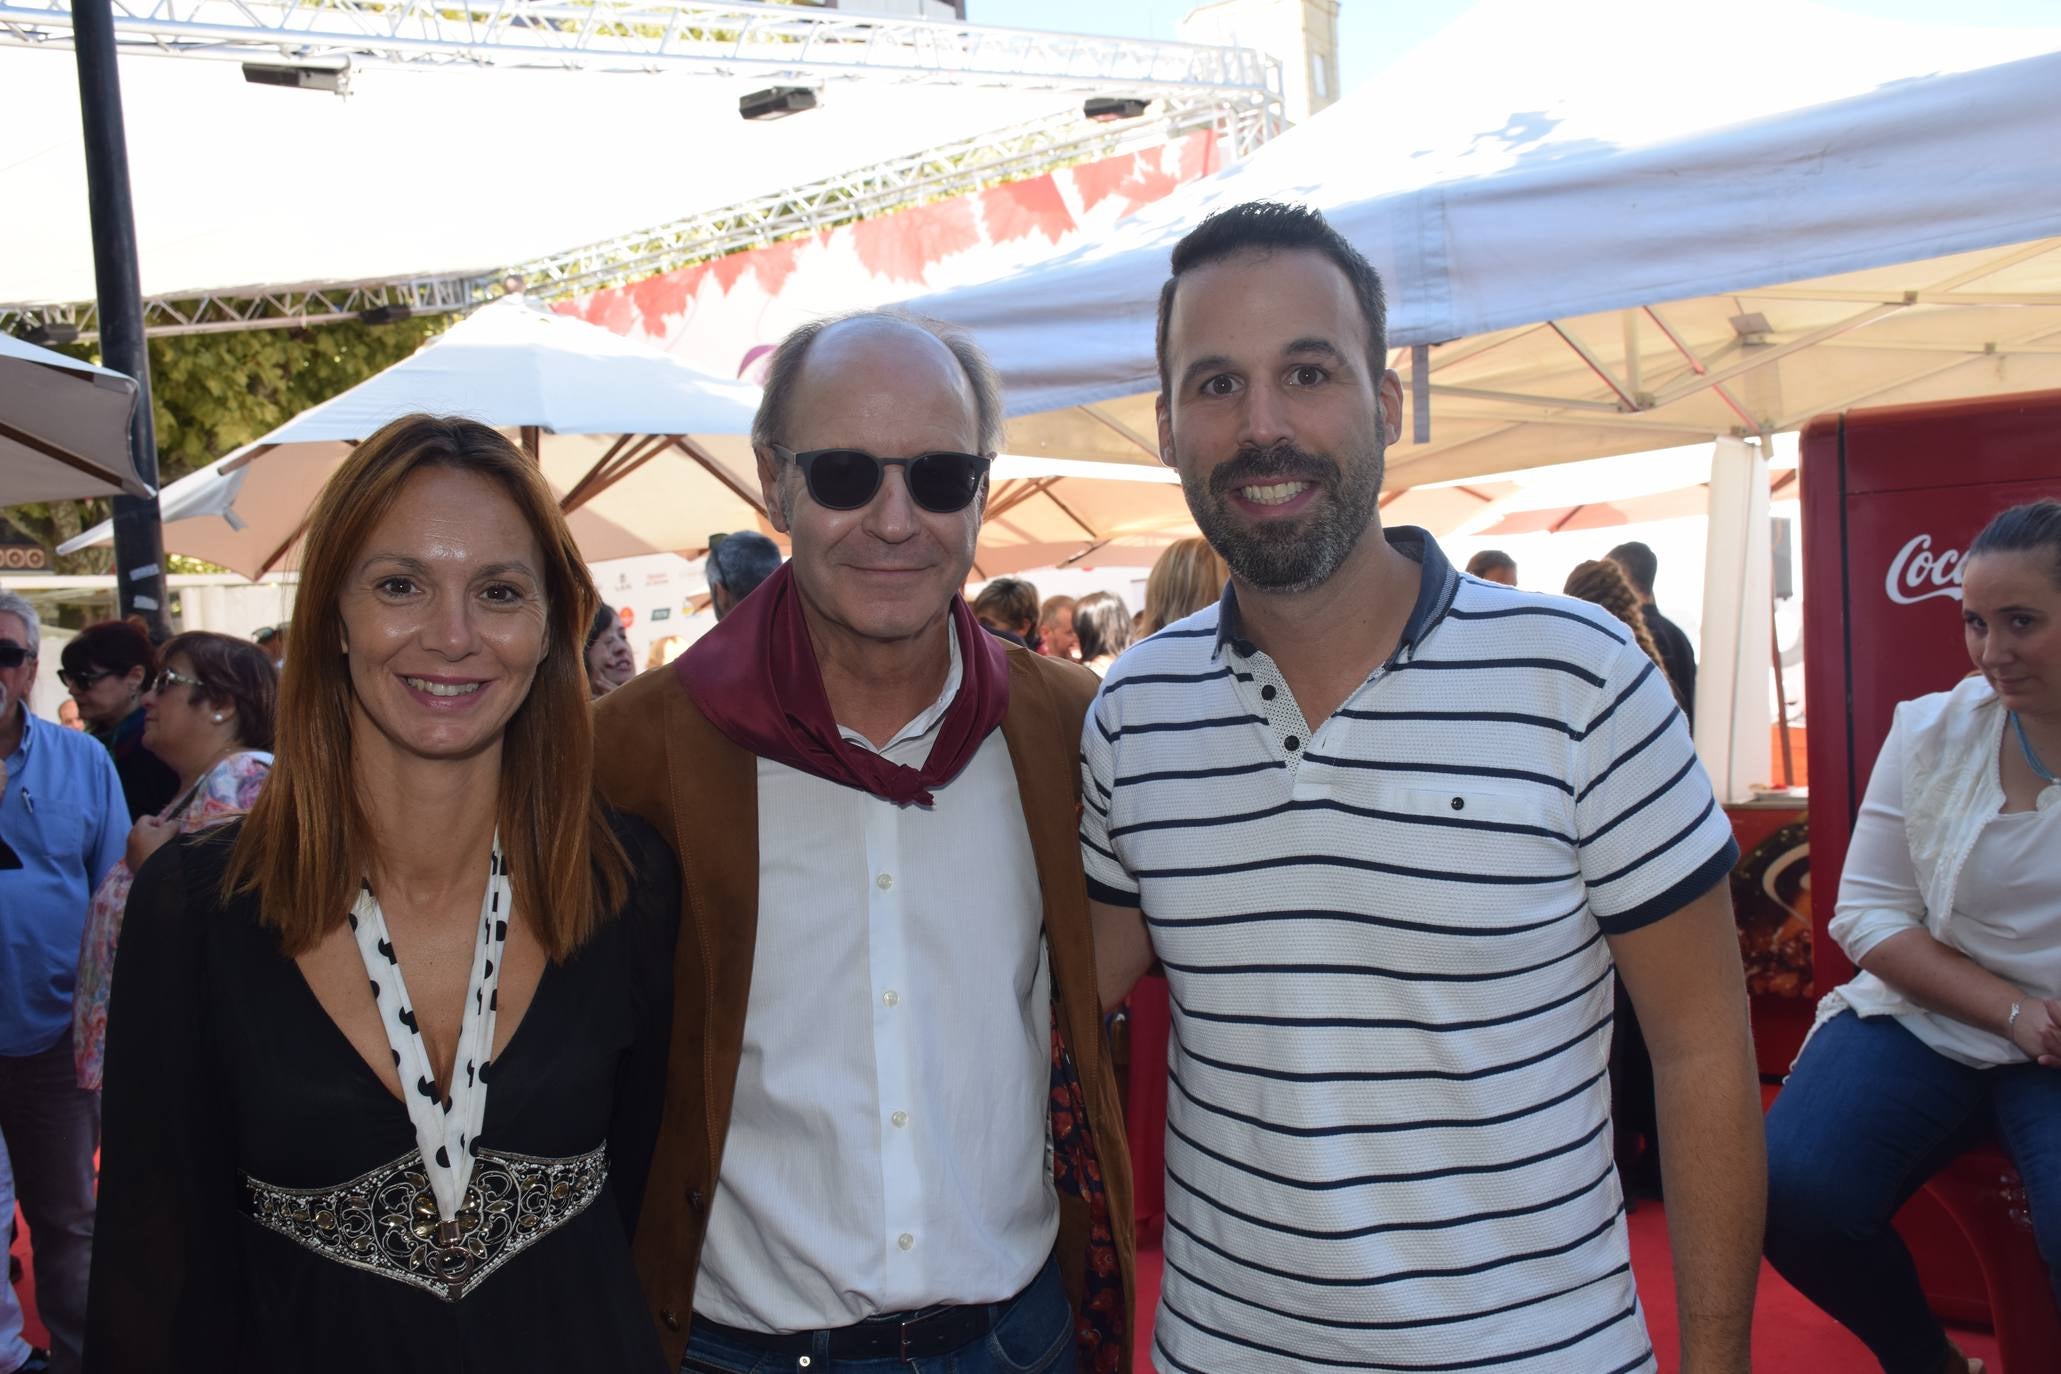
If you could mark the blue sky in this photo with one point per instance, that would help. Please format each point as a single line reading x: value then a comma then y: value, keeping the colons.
x: 1373, y: 33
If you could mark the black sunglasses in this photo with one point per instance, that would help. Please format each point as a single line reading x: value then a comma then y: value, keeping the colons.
x: 82, y: 680
x: 848, y: 478
x: 13, y: 655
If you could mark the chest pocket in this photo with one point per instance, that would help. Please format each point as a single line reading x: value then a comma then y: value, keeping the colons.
x: 61, y: 828
x: 1480, y: 800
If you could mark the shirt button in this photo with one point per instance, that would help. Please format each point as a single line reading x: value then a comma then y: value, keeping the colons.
x: 671, y: 1319
x: 891, y: 998
x: 884, y: 881
x: 1291, y: 744
x: 900, y: 1118
x: 906, y: 1241
x: 1267, y: 693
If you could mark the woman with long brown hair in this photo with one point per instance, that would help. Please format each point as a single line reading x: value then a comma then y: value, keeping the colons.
x: 1601, y: 582
x: 385, y: 1059
x: 1187, y: 576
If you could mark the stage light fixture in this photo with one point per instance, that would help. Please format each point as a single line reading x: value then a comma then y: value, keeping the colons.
x: 335, y: 80
x: 776, y: 102
x: 386, y: 314
x: 1107, y: 109
x: 51, y: 333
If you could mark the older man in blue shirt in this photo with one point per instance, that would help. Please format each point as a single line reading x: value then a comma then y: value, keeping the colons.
x: 63, y: 825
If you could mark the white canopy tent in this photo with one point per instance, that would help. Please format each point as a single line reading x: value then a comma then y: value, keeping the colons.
x: 64, y: 427
x: 1605, y: 250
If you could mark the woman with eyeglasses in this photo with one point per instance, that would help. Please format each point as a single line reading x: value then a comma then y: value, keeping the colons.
x: 385, y: 1057
x: 107, y: 667
x: 208, y: 714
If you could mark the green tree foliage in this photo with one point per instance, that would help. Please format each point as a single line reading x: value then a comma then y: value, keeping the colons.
x: 212, y: 393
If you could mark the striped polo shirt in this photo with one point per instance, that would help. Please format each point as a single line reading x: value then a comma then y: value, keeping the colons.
x: 1388, y: 1129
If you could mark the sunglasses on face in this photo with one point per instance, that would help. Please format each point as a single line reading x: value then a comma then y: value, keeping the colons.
x: 13, y: 655
x: 166, y: 679
x: 943, y: 483
x: 81, y: 681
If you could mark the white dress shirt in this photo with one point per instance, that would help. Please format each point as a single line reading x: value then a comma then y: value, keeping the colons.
x: 1933, y: 850
x: 888, y: 1139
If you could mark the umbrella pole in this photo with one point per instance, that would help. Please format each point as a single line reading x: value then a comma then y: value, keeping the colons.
x: 139, y: 536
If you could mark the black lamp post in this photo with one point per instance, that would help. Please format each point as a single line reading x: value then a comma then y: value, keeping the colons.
x: 139, y: 536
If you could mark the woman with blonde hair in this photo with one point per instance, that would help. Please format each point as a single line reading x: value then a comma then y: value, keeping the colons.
x: 385, y: 1059
x: 1187, y: 576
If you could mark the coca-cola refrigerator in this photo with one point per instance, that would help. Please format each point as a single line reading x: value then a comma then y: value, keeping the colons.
x: 1891, y: 500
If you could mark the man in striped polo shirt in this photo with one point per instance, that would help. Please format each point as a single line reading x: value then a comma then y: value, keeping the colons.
x: 1388, y: 828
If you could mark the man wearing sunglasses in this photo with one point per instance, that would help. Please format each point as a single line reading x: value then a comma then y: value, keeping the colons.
x: 893, y: 1131
x: 64, y: 823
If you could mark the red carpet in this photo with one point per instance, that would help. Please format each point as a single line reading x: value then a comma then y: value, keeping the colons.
x: 1789, y: 1335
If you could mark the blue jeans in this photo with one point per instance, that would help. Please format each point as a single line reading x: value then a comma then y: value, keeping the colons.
x: 1867, y: 1116
x: 1033, y: 1334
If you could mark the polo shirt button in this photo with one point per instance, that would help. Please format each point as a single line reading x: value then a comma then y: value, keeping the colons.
x: 671, y: 1319
x: 900, y: 1118
x: 1267, y: 693
x: 1291, y: 744
x: 1459, y: 803
x: 906, y: 1241
x: 884, y: 881
x: 891, y: 998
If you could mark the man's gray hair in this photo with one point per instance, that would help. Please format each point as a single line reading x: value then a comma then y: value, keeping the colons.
x: 14, y: 603
x: 741, y: 561
x: 770, y: 425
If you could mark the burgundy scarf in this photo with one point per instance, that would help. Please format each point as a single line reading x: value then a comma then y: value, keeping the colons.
x: 755, y: 678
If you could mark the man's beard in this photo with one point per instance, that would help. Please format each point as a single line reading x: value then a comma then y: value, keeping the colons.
x: 1290, y: 555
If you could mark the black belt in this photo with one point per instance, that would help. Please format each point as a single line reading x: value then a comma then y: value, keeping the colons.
x: 891, y: 1336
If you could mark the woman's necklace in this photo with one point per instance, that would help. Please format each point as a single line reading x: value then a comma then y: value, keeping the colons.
x: 447, y: 1128
x: 2050, y: 795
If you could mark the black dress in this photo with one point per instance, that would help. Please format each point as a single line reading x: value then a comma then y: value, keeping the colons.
x: 236, y: 1113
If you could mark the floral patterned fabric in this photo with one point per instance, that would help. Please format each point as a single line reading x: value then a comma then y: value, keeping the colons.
x: 1099, y: 1326
x: 224, y: 791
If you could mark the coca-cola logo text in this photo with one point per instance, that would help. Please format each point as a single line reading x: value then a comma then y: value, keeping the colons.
x: 1918, y: 574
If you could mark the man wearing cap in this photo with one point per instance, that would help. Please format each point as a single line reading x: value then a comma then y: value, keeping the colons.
x: 892, y: 1131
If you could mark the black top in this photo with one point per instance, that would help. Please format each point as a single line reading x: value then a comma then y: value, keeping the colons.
x: 222, y: 1064
x: 1678, y: 656
x: 148, y: 782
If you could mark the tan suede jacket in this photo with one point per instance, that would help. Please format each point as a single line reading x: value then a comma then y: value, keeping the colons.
x: 657, y: 756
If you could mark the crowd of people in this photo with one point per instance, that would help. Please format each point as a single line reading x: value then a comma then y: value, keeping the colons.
x: 446, y: 995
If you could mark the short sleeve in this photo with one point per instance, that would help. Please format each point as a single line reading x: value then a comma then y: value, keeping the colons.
x: 1651, y: 834
x: 1108, y: 880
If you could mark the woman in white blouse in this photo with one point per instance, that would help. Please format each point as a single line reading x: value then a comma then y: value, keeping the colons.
x: 1950, y: 903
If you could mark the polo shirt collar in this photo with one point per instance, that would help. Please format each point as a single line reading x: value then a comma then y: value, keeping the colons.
x: 1435, y: 592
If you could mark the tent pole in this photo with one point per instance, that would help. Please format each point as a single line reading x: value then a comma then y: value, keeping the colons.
x: 139, y: 535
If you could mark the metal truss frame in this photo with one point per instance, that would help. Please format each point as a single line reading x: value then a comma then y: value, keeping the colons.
x: 950, y: 169
x: 734, y: 39
x: 1235, y: 91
